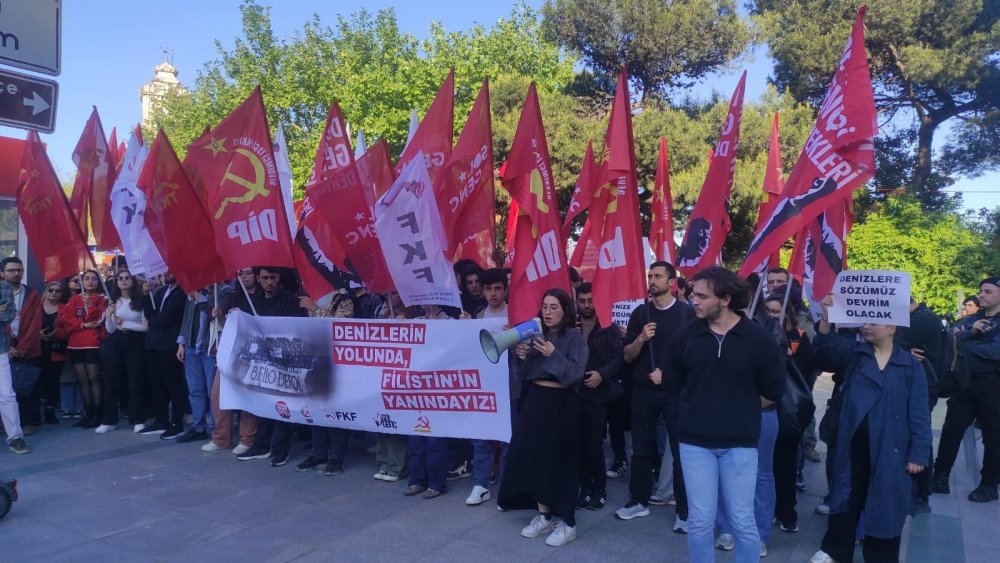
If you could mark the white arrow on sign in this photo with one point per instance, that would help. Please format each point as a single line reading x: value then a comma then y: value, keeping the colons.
x: 37, y: 103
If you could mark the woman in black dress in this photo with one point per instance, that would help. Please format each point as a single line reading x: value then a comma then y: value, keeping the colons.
x: 543, y: 460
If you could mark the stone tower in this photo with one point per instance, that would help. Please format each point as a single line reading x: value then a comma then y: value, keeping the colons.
x: 153, y: 91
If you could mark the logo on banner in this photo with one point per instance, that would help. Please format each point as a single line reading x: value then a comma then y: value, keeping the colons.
x: 342, y: 416
x: 283, y: 411
x: 306, y: 414
x: 383, y: 420
x: 423, y: 425
x: 696, y: 243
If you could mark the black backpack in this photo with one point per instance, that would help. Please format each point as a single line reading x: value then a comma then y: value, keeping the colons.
x: 955, y: 371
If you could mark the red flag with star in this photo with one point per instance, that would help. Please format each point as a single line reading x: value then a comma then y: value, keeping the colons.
x: 583, y: 192
x: 54, y: 232
x: 539, y: 262
x: 177, y: 223
x: 243, y: 191
x: 92, y: 188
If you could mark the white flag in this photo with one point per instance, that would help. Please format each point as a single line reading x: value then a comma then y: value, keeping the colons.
x: 413, y: 241
x: 284, y: 176
x: 414, y: 123
x: 360, y: 146
x: 128, y: 208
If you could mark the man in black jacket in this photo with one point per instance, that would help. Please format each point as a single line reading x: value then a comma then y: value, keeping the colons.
x: 274, y: 438
x: 164, y: 311
x: 728, y: 367
x: 601, y: 385
x: 654, y: 391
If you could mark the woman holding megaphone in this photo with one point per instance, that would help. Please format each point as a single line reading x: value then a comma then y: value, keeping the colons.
x: 542, y: 462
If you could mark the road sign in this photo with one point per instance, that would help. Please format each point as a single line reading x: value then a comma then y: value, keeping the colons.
x: 27, y: 102
x: 30, y: 35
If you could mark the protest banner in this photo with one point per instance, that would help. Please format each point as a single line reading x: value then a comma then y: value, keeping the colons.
x: 398, y: 377
x: 871, y: 296
x: 621, y: 311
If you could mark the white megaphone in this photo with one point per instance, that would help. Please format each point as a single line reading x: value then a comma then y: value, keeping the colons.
x: 496, y: 343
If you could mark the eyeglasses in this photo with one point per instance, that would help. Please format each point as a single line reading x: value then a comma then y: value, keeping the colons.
x: 54, y: 290
x: 246, y: 273
x: 13, y: 270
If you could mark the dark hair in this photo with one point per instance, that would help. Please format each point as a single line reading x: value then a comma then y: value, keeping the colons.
x: 574, y: 276
x: 972, y: 299
x: 569, y: 311
x: 273, y: 269
x: 492, y: 276
x: 96, y: 273
x: 585, y: 287
x: 462, y: 264
x: 671, y: 271
x: 791, y: 315
x: 753, y: 280
x: 10, y: 260
x: 135, y: 295
x: 779, y: 270
x: 119, y: 261
x: 725, y: 283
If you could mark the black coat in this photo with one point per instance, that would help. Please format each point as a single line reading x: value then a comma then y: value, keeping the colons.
x: 164, y: 318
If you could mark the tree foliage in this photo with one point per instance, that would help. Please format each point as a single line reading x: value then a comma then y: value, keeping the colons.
x: 933, y: 62
x: 944, y: 253
x: 662, y: 44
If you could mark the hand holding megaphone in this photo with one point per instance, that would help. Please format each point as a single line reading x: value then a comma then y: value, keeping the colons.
x: 496, y: 343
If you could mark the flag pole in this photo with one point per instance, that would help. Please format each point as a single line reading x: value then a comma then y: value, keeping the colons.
x: 756, y: 296
x: 246, y: 294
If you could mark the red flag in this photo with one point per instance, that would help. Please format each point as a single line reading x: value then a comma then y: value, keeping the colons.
x: 467, y: 202
x: 236, y: 162
x: 375, y: 171
x: 797, y: 261
x: 56, y: 239
x: 661, y: 228
x: 95, y: 177
x: 614, y: 215
x: 539, y: 262
x: 774, y: 183
x: 839, y: 155
x: 85, y: 159
x: 113, y: 149
x: 709, y: 222
x: 508, y: 246
x: 828, y: 242
x: 583, y: 192
x: 434, y: 134
x: 319, y: 256
x: 335, y: 188
x: 177, y: 223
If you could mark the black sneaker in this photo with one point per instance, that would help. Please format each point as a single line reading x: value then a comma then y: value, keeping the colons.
x: 939, y: 482
x: 309, y: 464
x: 583, y: 501
x: 334, y: 468
x: 617, y: 470
x: 464, y: 469
x: 597, y: 500
x: 254, y: 452
x: 153, y: 429
x: 277, y: 460
x: 191, y: 435
x: 171, y: 433
x: 984, y: 493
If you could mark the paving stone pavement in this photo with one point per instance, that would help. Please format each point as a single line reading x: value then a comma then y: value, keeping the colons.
x: 125, y: 497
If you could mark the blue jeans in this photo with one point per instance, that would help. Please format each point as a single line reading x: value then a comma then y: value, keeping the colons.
x: 199, y: 371
x: 482, y: 462
x: 763, y: 502
x: 428, y: 461
x: 734, y: 470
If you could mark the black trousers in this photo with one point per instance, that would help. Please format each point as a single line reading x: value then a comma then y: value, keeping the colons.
x: 838, y: 542
x: 981, y: 399
x: 648, y: 407
x: 619, y: 421
x: 274, y: 435
x: 786, y: 463
x: 29, y: 404
x: 51, y: 371
x: 593, y: 419
x: 124, y: 366
x: 165, y: 377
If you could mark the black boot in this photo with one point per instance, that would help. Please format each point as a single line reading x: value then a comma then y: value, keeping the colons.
x: 985, y: 492
x: 88, y: 413
x: 939, y: 482
x: 50, y: 416
x: 95, y: 418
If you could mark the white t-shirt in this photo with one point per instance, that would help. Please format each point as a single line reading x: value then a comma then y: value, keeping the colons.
x: 489, y: 314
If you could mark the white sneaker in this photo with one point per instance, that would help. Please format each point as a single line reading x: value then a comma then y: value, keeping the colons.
x: 240, y: 449
x: 104, y: 429
x: 823, y: 509
x: 821, y: 557
x: 561, y: 534
x: 726, y: 542
x: 211, y: 447
x: 538, y: 526
x: 680, y: 526
x: 763, y: 550
x: 138, y: 428
x: 479, y: 495
x: 632, y: 510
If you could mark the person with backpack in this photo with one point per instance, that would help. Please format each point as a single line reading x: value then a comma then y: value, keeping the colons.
x: 977, y: 346
x: 925, y: 339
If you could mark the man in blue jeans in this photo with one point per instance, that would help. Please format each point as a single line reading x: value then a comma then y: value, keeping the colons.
x: 196, y: 350
x: 727, y: 368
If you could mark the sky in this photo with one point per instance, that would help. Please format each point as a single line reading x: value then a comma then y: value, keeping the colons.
x: 110, y: 47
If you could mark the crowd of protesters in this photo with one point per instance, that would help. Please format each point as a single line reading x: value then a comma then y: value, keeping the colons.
x: 708, y: 376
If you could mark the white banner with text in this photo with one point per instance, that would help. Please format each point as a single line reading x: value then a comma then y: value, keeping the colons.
x: 419, y: 377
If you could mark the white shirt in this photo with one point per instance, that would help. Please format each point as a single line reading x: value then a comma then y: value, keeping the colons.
x: 15, y: 325
x: 131, y: 320
x: 487, y: 313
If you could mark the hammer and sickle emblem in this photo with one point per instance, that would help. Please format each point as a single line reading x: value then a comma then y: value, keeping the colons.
x: 253, y: 188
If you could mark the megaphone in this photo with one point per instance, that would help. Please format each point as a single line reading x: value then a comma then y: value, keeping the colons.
x: 496, y: 343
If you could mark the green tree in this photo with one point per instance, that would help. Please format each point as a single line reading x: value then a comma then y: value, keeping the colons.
x: 661, y: 44
x: 943, y: 252
x: 934, y: 62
